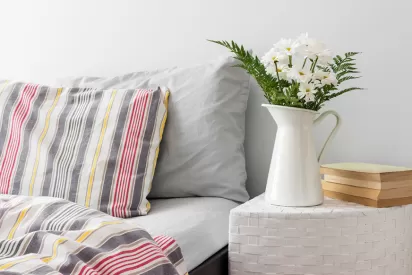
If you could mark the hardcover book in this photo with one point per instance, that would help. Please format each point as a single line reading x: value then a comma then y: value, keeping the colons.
x: 368, y: 184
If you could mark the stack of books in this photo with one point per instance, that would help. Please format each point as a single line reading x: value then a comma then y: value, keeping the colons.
x: 368, y: 184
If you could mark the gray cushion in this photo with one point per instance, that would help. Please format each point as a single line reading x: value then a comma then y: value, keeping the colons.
x: 202, y: 149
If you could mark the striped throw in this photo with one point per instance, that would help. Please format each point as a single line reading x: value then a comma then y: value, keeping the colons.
x: 97, y: 148
x: 43, y: 235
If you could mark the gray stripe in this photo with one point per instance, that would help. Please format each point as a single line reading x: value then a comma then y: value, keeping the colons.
x: 45, y: 214
x: 125, y: 239
x: 10, y: 248
x: 47, y: 182
x: 25, y: 146
x: 176, y: 255
x: 61, y: 222
x: 113, y: 158
x: 6, y: 115
x: 45, y: 269
x: 88, y: 253
x: 90, y: 121
x: 70, y: 145
x: 141, y: 170
x: 164, y: 268
x: 36, y: 242
x: 79, y: 224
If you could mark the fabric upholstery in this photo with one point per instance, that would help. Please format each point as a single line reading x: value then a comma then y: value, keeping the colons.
x: 202, y: 150
x: 93, y: 147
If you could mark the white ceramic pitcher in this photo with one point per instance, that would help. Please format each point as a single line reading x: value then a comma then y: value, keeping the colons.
x: 294, y: 176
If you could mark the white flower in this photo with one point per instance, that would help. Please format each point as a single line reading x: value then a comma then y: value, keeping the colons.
x: 324, y: 57
x: 287, y: 46
x: 330, y: 79
x: 312, y: 49
x: 307, y: 91
x: 325, y: 78
x: 299, y: 74
x: 319, y: 75
x: 273, y: 56
x: 303, y: 39
x: 282, y: 70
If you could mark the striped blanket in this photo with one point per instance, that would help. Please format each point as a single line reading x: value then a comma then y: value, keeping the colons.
x: 44, y: 235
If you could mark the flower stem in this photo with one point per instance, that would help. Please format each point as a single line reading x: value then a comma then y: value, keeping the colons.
x: 314, y: 64
x: 276, y: 68
x: 290, y: 61
x: 304, y: 62
x: 277, y: 74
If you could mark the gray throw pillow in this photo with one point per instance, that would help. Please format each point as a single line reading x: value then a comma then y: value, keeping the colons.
x: 201, y: 153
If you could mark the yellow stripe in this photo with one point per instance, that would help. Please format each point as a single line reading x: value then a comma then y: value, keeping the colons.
x: 8, y: 265
x: 161, y: 130
x: 87, y: 233
x: 42, y: 136
x: 19, y: 219
x: 55, y: 246
x: 98, y: 149
x: 4, y: 86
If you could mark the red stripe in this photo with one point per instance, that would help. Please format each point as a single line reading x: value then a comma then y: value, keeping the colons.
x: 164, y: 247
x: 127, y: 260
x: 160, y: 238
x: 133, y: 154
x: 11, y: 141
x: 19, y: 117
x: 135, y: 258
x: 139, y: 253
x: 99, y: 265
x: 116, y: 201
x: 136, y: 266
x: 129, y: 152
x: 123, y: 196
x: 165, y: 240
x: 87, y: 270
x: 133, y: 157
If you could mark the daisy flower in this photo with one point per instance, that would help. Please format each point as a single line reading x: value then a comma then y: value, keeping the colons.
x: 287, y: 46
x: 325, y: 78
x: 273, y: 56
x: 313, y: 49
x: 282, y: 70
x: 324, y: 57
x: 307, y: 91
x: 299, y: 74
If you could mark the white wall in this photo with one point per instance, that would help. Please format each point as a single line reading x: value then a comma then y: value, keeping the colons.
x: 44, y: 39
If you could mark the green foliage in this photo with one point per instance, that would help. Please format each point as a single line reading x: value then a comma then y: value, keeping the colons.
x: 282, y: 92
x: 252, y: 64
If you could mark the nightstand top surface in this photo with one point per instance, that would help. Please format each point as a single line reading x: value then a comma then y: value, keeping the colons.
x: 331, y: 208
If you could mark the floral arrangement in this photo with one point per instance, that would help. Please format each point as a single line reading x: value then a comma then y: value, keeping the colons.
x: 298, y: 73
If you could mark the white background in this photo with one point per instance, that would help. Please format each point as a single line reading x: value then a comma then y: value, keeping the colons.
x: 45, y: 39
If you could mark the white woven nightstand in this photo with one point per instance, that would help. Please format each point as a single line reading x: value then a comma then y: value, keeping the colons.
x: 334, y: 238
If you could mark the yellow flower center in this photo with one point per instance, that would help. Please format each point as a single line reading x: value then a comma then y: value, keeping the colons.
x: 279, y: 70
x: 301, y: 73
x: 275, y: 58
x: 288, y: 49
x: 307, y: 90
x: 325, y: 76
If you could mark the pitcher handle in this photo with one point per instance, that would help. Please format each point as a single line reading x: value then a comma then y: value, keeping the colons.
x: 319, y: 119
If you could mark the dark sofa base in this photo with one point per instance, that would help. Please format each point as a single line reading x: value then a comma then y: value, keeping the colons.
x: 217, y: 264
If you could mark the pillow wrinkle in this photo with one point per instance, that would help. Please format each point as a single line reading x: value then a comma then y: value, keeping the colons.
x: 206, y: 128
